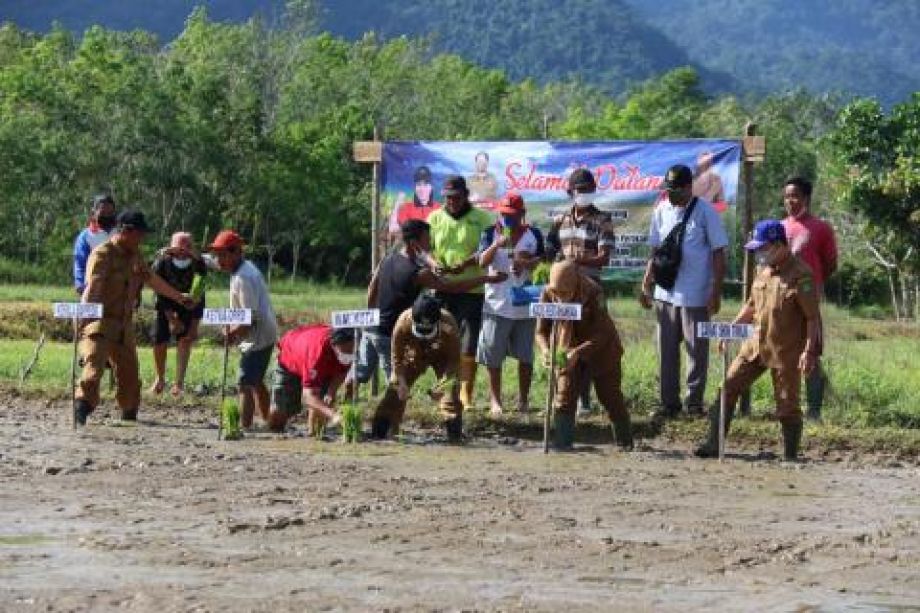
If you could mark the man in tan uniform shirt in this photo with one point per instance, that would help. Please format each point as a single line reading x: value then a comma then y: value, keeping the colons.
x: 783, y: 307
x: 425, y: 336
x: 115, y: 274
x: 593, y: 352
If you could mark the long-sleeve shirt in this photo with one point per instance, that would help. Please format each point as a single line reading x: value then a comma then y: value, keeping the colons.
x: 87, y: 240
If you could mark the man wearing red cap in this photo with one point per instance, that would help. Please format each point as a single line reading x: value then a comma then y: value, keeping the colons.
x: 248, y: 291
x: 512, y: 247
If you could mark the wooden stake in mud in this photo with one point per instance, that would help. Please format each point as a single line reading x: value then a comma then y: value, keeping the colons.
x: 554, y: 311
x: 226, y: 318
x: 76, y: 311
x: 723, y: 406
x: 550, y: 389
x: 357, y: 320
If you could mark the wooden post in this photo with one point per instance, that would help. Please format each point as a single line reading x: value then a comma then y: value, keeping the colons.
x: 550, y: 389
x: 754, y: 151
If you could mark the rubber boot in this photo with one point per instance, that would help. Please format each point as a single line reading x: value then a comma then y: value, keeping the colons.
x: 453, y: 428
x: 710, y: 447
x: 814, y: 395
x: 622, y: 433
x: 81, y: 411
x: 468, y: 367
x: 563, y: 431
x: 129, y: 414
x: 380, y: 428
x: 792, y: 437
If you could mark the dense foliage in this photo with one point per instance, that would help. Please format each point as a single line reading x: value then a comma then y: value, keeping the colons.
x: 250, y: 126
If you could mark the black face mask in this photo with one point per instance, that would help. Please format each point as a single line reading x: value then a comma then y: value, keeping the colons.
x: 106, y: 222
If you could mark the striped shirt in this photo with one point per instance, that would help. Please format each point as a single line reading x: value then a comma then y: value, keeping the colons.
x: 585, y: 237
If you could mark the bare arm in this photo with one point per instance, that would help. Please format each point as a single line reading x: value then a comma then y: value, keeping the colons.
x: 372, y: 290
x: 428, y: 279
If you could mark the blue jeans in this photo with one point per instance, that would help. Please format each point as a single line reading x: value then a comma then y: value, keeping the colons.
x: 374, y: 349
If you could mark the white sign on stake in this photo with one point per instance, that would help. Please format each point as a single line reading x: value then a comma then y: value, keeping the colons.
x: 227, y: 317
x: 556, y: 310
x: 723, y: 331
x: 80, y: 310
x: 356, y: 319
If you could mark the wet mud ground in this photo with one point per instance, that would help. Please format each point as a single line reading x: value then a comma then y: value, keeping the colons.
x: 163, y: 517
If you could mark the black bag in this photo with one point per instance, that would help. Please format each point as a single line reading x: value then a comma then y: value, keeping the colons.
x: 666, y: 257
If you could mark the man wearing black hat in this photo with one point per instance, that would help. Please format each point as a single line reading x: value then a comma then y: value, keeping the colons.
x: 115, y: 274
x: 455, y: 233
x: 99, y: 229
x: 693, y: 296
x: 426, y: 336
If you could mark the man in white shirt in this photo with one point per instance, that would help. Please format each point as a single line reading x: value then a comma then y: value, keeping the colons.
x: 256, y: 341
x: 514, y: 248
x: 695, y: 295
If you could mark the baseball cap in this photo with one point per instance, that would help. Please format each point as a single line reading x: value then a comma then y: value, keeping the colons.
x: 132, y: 220
x: 677, y: 176
x: 581, y: 180
x: 512, y: 204
x: 100, y: 199
x: 340, y: 336
x: 454, y: 185
x: 226, y: 239
x: 766, y: 231
x: 426, y: 314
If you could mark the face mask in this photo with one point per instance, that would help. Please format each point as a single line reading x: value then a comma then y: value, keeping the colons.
x: 345, y: 359
x: 422, y: 258
x: 583, y: 199
x: 423, y: 192
x: 762, y: 256
x: 106, y: 222
x: 182, y: 263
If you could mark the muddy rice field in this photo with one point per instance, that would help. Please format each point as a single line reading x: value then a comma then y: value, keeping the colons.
x: 162, y: 516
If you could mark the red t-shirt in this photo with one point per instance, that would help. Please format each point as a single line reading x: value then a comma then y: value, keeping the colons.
x: 812, y: 240
x: 307, y: 353
x: 410, y: 210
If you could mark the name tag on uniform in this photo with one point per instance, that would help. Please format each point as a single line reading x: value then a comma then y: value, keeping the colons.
x: 227, y: 317
x: 556, y: 310
x: 356, y: 319
x: 723, y: 331
x: 80, y: 310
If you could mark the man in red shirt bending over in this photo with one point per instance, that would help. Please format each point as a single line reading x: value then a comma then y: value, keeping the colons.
x: 312, y: 363
x: 812, y: 240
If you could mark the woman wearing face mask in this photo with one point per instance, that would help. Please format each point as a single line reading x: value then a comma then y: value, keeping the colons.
x: 177, y: 265
x: 312, y: 363
x: 98, y: 230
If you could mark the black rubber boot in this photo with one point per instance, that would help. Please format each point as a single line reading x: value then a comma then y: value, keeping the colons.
x: 622, y: 433
x: 563, y: 431
x: 792, y: 437
x: 129, y: 414
x: 81, y: 411
x: 380, y: 428
x: 710, y: 447
x: 453, y: 428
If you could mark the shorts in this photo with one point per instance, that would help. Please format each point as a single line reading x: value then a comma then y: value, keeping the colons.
x: 467, y: 310
x: 253, y: 365
x: 287, y: 391
x: 161, y: 331
x: 502, y: 337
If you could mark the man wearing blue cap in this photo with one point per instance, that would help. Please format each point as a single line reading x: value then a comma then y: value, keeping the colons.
x: 783, y: 307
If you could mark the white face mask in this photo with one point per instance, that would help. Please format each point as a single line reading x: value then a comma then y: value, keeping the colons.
x: 762, y: 257
x: 583, y: 199
x: 345, y: 359
x: 182, y: 263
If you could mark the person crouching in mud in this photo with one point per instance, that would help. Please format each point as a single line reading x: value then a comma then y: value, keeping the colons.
x: 592, y: 349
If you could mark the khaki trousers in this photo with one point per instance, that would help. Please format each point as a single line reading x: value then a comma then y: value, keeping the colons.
x: 96, y: 350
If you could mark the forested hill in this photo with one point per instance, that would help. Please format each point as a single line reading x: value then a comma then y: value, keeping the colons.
x: 864, y: 47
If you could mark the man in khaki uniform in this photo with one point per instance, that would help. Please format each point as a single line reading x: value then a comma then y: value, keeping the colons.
x: 784, y: 310
x: 425, y: 336
x: 115, y: 274
x: 592, y: 350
